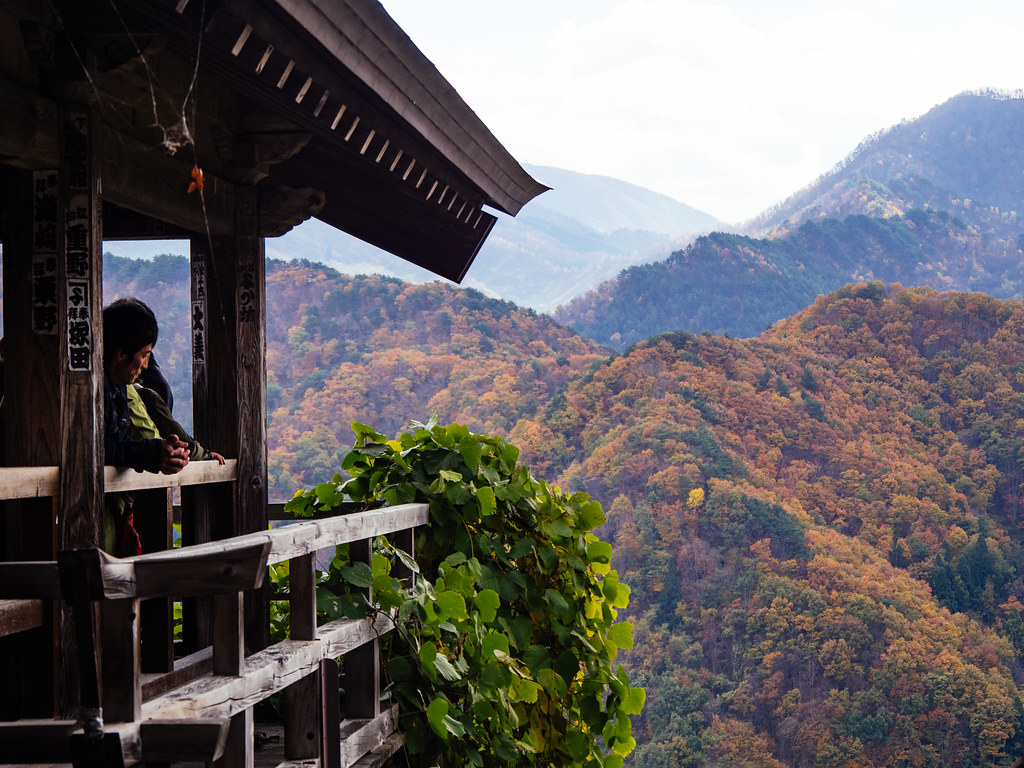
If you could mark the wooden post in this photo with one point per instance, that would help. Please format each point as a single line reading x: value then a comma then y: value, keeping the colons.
x: 120, y: 651
x: 80, y: 338
x: 239, y: 749
x: 29, y: 231
x: 302, y: 699
x: 207, y: 512
x: 362, y: 666
x: 153, y: 520
x: 228, y: 648
x: 232, y: 416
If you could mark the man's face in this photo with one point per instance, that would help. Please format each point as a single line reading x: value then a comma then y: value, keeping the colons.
x: 125, y: 369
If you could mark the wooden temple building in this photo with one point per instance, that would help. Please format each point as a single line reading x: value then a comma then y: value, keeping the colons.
x: 222, y: 122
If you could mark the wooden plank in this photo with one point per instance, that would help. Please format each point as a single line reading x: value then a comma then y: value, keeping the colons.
x: 382, y: 754
x: 186, y: 669
x: 299, y: 538
x: 120, y: 661
x: 36, y: 741
x: 119, y: 479
x: 184, y: 573
x: 189, y: 740
x: 358, y: 737
x: 29, y: 580
x: 28, y: 482
x: 19, y: 615
x: 265, y: 672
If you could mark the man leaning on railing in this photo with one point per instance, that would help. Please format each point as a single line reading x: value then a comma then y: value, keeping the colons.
x: 129, y: 333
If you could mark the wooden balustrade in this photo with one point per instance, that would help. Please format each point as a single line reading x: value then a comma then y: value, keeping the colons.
x: 202, y: 709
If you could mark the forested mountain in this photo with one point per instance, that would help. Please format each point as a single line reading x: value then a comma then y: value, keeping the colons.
x: 343, y: 349
x: 822, y: 531
x: 821, y: 526
x: 934, y: 202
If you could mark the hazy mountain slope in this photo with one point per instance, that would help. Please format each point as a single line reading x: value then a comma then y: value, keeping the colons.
x: 879, y: 216
x: 821, y: 529
x: 583, y: 231
x: 964, y: 156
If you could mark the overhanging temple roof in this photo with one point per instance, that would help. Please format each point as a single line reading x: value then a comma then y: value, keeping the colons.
x: 334, y: 96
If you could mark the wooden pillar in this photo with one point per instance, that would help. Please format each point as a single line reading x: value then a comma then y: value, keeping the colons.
x: 362, y: 665
x: 80, y: 338
x: 230, y: 410
x: 31, y: 414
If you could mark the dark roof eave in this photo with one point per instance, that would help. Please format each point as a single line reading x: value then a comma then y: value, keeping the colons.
x: 367, y: 41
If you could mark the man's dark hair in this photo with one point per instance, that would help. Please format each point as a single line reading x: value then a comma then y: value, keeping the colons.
x: 128, y: 325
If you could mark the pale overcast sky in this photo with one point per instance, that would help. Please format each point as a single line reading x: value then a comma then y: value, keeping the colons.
x: 727, y: 106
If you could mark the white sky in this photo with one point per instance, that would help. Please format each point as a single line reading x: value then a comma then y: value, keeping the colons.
x: 729, y: 105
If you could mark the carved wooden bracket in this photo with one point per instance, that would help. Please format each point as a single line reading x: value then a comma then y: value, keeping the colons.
x: 282, y: 208
x: 248, y: 156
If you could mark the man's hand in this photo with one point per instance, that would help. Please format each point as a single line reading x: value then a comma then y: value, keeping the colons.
x: 174, y: 455
x: 217, y: 456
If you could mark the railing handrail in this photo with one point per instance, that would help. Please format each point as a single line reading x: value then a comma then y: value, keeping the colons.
x: 44, y: 482
x: 39, y: 579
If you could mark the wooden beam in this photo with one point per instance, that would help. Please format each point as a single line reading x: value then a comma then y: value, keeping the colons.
x: 186, y: 740
x: 360, y: 736
x: 120, y: 479
x: 36, y: 740
x: 19, y: 615
x: 144, y: 179
x: 382, y: 754
x: 28, y: 128
x: 266, y: 672
x: 29, y: 482
x: 186, y: 669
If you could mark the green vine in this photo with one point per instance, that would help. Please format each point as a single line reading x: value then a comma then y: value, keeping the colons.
x: 505, y: 638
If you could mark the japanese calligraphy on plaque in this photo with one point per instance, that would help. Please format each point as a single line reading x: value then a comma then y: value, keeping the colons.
x: 78, y: 243
x: 44, y: 252
x: 198, y: 312
x: 247, y: 308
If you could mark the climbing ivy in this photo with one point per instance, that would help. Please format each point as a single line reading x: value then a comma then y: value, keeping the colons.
x: 506, y: 636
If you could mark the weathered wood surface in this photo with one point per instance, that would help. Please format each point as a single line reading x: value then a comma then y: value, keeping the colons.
x: 186, y: 669
x: 29, y: 482
x: 359, y: 737
x: 43, y: 482
x: 265, y: 672
x: 195, y: 473
x: 19, y: 615
x: 382, y: 754
x: 36, y: 741
x: 302, y: 718
x: 214, y: 567
x: 194, y: 740
x: 120, y: 661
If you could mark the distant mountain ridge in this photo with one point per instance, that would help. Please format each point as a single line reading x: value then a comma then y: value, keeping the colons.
x: 934, y: 201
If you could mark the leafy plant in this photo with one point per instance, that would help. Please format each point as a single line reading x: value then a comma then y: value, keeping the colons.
x: 506, y: 634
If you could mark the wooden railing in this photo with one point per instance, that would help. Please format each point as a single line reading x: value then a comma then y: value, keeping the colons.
x: 17, y: 483
x: 202, y: 710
